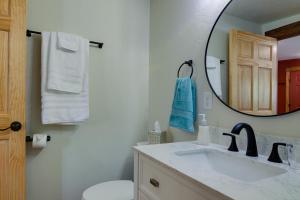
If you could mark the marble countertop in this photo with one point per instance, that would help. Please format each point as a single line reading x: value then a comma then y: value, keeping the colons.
x: 282, y: 187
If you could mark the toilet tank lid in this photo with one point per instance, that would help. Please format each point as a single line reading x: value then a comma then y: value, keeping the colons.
x: 111, y: 190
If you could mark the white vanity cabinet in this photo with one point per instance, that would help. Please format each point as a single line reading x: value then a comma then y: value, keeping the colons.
x: 155, y: 181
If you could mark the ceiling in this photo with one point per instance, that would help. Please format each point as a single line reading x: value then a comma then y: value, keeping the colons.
x: 263, y: 11
x: 289, y: 48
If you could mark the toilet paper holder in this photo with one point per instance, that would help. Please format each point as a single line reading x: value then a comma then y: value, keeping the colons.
x: 29, y: 138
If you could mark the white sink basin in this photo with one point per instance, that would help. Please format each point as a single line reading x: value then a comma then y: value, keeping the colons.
x: 234, y: 165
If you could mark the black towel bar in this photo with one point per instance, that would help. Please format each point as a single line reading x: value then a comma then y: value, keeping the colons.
x: 30, y: 32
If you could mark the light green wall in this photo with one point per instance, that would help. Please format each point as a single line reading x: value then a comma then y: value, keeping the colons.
x: 176, y: 31
x: 281, y: 22
x: 179, y: 30
x: 100, y: 148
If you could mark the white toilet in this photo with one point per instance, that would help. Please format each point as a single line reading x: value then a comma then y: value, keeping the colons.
x: 111, y: 190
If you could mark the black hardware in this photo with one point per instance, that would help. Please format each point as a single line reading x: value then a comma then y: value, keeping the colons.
x: 30, y: 32
x: 233, y: 147
x: 251, y: 147
x: 154, y: 182
x: 30, y: 139
x: 189, y: 63
x: 222, y: 61
x: 274, y: 156
x: 14, y: 126
x: 289, y: 148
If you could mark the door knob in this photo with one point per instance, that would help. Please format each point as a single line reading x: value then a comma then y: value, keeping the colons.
x: 14, y: 126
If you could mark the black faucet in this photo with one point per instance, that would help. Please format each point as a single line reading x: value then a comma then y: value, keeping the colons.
x: 233, y: 147
x: 274, y: 156
x: 251, y: 147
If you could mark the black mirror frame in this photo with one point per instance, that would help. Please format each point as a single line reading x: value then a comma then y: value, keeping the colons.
x: 205, y: 68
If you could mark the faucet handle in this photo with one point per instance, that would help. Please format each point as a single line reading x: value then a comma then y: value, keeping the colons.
x: 233, y: 147
x: 274, y: 156
x: 289, y: 148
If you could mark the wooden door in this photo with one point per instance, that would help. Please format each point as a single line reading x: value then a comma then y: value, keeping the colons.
x: 252, y: 73
x: 12, y: 98
x: 292, y: 89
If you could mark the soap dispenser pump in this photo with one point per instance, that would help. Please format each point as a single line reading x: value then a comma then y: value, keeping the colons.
x: 203, y: 132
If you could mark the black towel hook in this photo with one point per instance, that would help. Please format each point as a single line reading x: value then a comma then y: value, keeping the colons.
x: 189, y: 63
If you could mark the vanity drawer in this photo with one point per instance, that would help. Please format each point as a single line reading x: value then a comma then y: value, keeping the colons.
x: 157, y: 182
x: 142, y: 196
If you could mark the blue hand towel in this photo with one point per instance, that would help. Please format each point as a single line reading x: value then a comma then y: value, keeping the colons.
x: 184, y: 109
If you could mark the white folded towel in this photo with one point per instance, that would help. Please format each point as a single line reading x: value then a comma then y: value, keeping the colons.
x: 66, y: 62
x: 214, y: 74
x: 60, y: 107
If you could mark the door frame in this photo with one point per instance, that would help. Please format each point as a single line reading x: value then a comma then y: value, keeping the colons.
x: 287, y: 85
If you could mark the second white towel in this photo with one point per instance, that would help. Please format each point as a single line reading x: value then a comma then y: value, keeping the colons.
x: 66, y: 62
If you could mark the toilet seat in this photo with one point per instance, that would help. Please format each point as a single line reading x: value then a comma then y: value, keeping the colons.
x: 111, y: 190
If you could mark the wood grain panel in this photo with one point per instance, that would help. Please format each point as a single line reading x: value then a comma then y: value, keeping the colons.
x: 264, y: 89
x: 5, y: 23
x: 3, y: 71
x: 245, y: 88
x: 16, y: 96
x: 4, y: 120
x: 4, y: 7
x: 4, y: 168
x: 245, y: 48
x: 264, y: 52
x: 12, y: 99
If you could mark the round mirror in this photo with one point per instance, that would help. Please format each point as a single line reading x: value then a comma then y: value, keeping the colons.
x: 253, y: 57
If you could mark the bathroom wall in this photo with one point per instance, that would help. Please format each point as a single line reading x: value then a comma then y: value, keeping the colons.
x: 99, y: 149
x: 281, y: 22
x: 179, y: 30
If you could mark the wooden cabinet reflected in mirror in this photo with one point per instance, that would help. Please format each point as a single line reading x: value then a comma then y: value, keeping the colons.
x: 260, y: 43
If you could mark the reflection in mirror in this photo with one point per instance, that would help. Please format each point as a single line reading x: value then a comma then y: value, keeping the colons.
x: 259, y: 40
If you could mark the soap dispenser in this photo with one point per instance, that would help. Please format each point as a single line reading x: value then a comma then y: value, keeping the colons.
x: 203, y: 132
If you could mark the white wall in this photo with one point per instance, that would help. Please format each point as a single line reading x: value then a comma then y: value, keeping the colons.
x: 179, y: 30
x: 99, y: 149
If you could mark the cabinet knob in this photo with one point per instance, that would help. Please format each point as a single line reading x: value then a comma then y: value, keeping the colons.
x: 154, y: 182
